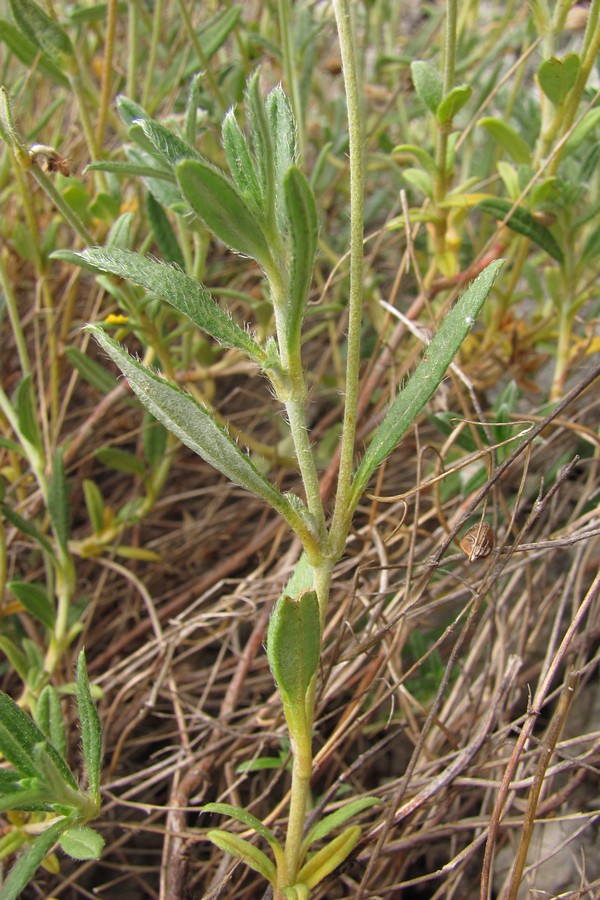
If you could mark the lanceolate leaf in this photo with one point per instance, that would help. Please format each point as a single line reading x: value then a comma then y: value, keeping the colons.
x: 24, y: 868
x: 329, y: 857
x: 176, y: 287
x: 197, y: 429
x: 334, y: 820
x: 19, y: 738
x: 244, y: 850
x: 43, y: 31
x: 91, y: 731
x: 283, y: 141
x: 216, y: 201
x: 523, y: 222
x: 240, y: 162
x: 235, y: 812
x: 430, y: 372
x: 169, y: 145
x: 303, y: 226
x: 508, y: 138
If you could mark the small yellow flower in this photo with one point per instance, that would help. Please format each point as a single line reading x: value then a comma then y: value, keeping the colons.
x: 114, y: 319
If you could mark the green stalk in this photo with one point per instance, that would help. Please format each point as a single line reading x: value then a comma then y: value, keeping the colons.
x: 107, y: 67
x: 300, y: 733
x: 132, y: 47
x: 284, y: 10
x: 342, y: 513
x: 448, y: 70
x: 157, y: 25
x: 295, y: 406
x: 15, y: 319
x: 206, y: 68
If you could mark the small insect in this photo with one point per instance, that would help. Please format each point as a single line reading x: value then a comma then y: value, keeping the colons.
x: 477, y: 541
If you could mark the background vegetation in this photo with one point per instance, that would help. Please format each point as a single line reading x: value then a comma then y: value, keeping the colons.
x: 444, y: 667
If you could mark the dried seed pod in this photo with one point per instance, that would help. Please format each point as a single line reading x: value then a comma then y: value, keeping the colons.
x: 477, y: 541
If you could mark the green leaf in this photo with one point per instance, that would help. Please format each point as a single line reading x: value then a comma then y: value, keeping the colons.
x: 262, y: 146
x: 163, y: 233
x: 330, y: 857
x: 303, y: 226
x: 422, y: 155
x: 94, y: 503
x: 245, y: 851
x: 589, y: 123
x: 419, y: 179
x: 171, y: 147
x: 508, y: 138
x: 58, y: 500
x: 25, y: 867
x: 121, y: 461
x: 430, y: 372
x: 557, y: 77
x: 428, y: 84
x: 34, y: 598
x: 337, y: 818
x: 49, y: 717
x: 216, y: 201
x: 523, y: 222
x: 119, y: 236
x: 236, y: 812
x: 452, y: 103
x: 45, y: 32
x: 26, y: 527
x: 19, y: 738
x: 293, y: 646
x: 195, y: 427
x: 29, y: 53
x: 26, y: 413
x: 240, y: 162
x: 154, y: 440
x: 15, y: 656
x: 91, y: 731
x: 81, y: 842
x: 283, y: 141
x: 215, y: 32
x: 182, y: 291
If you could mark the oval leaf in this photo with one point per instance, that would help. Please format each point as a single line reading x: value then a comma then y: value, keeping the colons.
x: 556, y: 76
x: 428, y: 83
x: 452, y: 103
x: 508, y: 138
x: 81, y: 842
x: 215, y: 200
x: 430, y: 372
x: 293, y: 646
x: 45, y: 32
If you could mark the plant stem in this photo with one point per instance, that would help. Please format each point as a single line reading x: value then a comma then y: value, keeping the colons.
x: 342, y: 514
x: 107, y: 69
x: 157, y: 25
x: 300, y: 790
x: 285, y: 17
x: 448, y: 69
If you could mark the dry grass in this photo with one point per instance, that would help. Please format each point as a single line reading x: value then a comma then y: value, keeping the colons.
x: 439, y: 683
